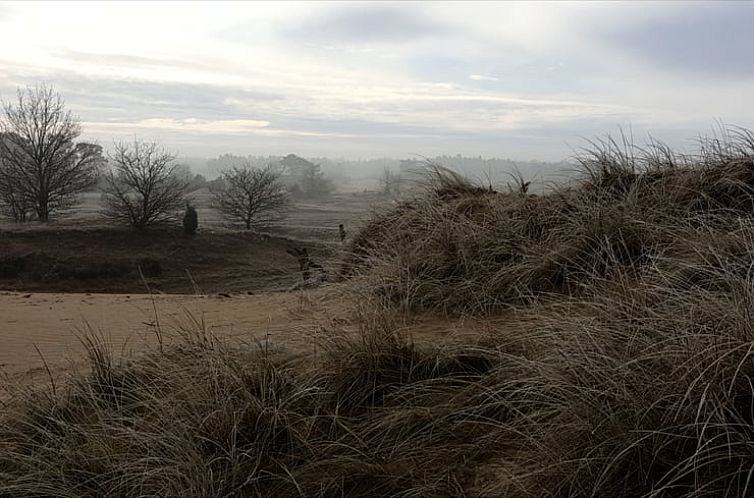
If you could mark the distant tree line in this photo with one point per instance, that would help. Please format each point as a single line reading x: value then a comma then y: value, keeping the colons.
x: 386, y: 175
x: 301, y: 177
x: 44, y: 167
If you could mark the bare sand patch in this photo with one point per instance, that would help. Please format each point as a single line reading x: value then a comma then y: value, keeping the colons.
x: 50, y: 326
x: 47, y: 328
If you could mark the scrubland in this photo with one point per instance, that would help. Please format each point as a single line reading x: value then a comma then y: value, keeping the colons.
x: 617, y: 361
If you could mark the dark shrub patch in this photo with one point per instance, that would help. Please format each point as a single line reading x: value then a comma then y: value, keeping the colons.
x: 149, y: 267
x: 11, y: 266
x: 85, y: 269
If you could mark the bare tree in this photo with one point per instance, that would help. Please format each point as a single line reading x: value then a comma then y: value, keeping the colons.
x: 43, y: 169
x: 390, y: 182
x: 14, y: 202
x: 144, y: 186
x: 253, y: 196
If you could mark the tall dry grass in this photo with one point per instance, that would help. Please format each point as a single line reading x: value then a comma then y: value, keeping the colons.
x: 466, y: 249
x: 375, y: 416
x: 624, y: 367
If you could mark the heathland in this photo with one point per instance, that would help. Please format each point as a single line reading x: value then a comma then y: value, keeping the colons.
x: 467, y: 340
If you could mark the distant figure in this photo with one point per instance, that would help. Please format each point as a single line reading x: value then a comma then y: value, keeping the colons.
x: 342, y: 231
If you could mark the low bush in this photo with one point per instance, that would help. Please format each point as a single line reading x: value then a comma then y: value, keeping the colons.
x: 11, y: 266
x: 149, y: 267
x: 86, y: 269
x: 190, y: 220
x: 44, y: 267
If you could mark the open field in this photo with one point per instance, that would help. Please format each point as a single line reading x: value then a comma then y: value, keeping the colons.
x: 83, y: 254
x: 311, y: 219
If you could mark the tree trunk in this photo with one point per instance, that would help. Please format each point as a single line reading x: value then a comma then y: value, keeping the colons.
x: 43, y: 213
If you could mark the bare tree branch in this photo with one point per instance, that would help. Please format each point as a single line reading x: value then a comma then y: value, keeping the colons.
x: 144, y: 186
x: 390, y: 182
x: 42, y: 169
x: 252, y: 196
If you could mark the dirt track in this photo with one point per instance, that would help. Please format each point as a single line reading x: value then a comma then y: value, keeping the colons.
x: 54, y: 323
x: 51, y: 325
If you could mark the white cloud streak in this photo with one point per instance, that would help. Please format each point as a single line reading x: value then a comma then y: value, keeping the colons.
x: 301, y: 70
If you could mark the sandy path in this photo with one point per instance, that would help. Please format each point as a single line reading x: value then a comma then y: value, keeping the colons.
x: 49, y: 325
x: 53, y: 323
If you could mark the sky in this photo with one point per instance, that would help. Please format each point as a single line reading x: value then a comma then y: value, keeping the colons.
x: 359, y: 80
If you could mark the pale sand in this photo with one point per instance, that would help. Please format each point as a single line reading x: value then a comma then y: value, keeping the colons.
x: 54, y: 323
x: 42, y: 331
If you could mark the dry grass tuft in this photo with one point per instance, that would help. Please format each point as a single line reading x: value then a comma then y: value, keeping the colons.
x: 462, y: 248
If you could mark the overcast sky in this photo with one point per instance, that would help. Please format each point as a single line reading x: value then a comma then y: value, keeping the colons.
x: 520, y: 80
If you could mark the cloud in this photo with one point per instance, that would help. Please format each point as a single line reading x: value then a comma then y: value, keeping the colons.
x: 199, y: 127
x: 105, y: 59
x: 105, y: 98
x: 482, y: 77
x: 6, y: 11
x: 384, y: 78
x: 192, y: 125
x: 363, y: 23
x: 711, y: 40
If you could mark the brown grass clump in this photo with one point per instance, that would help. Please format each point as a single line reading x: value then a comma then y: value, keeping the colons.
x: 376, y: 416
x: 465, y: 249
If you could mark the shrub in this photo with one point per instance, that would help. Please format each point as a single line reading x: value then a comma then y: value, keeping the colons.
x: 149, y: 267
x: 190, y: 220
x: 87, y: 269
x: 45, y: 267
x: 11, y: 266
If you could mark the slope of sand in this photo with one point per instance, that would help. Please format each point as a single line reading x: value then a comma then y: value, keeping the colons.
x: 50, y: 326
